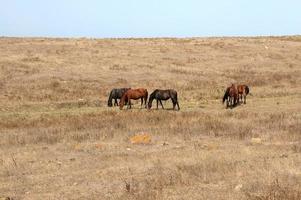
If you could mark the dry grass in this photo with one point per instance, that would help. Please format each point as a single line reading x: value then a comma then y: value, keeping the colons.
x: 60, y: 141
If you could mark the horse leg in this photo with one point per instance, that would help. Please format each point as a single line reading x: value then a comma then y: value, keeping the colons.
x: 157, y: 104
x: 161, y: 104
x: 236, y: 100
x: 173, y: 103
x: 178, y: 105
x: 176, y: 99
x: 233, y: 102
x: 116, y: 102
x: 129, y: 102
x: 141, y: 102
x: 228, y: 102
x: 145, y: 100
x: 245, y: 100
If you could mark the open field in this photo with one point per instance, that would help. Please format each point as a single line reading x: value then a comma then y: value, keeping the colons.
x: 59, y: 140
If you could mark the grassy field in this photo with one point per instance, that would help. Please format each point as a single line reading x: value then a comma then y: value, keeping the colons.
x: 59, y: 140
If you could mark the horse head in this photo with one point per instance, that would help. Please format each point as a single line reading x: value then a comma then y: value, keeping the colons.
x: 123, y: 99
x: 151, y: 98
x: 149, y: 105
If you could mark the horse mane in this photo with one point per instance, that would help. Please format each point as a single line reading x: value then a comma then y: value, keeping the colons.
x: 125, y: 89
x: 152, y: 95
x: 226, y: 94
x: 110, y: 99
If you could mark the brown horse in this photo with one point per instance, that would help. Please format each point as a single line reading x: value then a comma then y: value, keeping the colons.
x: 231, y: 95
x: 135, y: 94
x: 164, y: 95
x: 243, y: 91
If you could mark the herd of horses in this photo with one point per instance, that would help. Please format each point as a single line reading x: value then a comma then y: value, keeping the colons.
x: 126, y: 94
x: 233, y: 95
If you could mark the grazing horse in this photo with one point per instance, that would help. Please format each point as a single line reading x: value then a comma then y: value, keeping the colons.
x: 163, y: 95
x: 231, y: 95
x: 243, y: 91
x: 135, y: 94
x: 115, y: 94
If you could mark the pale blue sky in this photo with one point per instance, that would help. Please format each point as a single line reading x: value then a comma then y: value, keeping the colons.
x: 149, y: 18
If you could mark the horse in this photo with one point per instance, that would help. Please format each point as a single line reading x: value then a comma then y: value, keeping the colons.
x: 115, y: 94
x: 231, y: 95
x: 135, y: 94
x: 163, y: 95
x: 243, y: 91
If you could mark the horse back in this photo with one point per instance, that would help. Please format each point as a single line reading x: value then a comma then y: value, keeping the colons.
x: 243, y: 89
x: 136, y: 93
x: 240, y: 89
x: 233, y: 91
x: 141, y: 90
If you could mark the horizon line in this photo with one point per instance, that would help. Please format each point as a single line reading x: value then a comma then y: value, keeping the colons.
x: 151, y: 37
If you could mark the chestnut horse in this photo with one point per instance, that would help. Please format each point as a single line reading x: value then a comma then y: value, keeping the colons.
x: 135, y: 94
x: 243, y: 91
x: 231, y: 95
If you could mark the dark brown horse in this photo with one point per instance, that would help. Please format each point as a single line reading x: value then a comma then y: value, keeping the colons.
x: 243, y: 91
x: 135, y: 94
x: 115, y: 94
x: 231, y: 95
x: 164, y: 95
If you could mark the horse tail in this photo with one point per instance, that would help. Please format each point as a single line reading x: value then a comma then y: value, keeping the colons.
x: 226, y: 94
x: 247, y: 90
x: 177, y: 102
x: 110, y: 99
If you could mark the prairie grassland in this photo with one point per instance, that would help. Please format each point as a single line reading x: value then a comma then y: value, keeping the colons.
x: 59, y: 140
